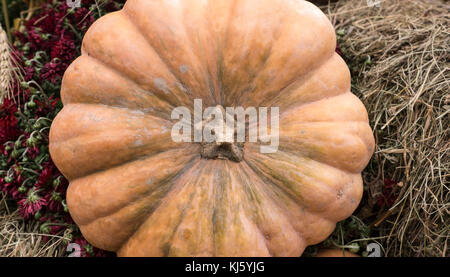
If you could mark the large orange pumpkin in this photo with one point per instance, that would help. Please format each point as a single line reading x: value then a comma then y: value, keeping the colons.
x: 135, y: 191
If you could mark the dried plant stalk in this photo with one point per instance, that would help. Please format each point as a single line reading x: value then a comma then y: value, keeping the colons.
x: 10, y: 71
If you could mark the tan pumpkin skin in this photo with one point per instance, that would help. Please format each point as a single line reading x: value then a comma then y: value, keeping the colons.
x: 336, y: 253
x: 136, y: 192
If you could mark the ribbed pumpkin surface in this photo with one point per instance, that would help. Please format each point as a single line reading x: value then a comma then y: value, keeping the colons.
x: 135, y: 191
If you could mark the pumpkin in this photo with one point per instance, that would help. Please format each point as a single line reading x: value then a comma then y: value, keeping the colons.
x: 336, y: 253
x: 136, y: 191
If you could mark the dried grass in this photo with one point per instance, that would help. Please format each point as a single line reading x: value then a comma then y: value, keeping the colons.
x: 399, y: 57
x: 23, y: 239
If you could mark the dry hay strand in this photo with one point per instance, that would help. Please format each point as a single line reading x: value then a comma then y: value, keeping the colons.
x: 23, y: 239
x: 398, y: 53
x: 10, y: 71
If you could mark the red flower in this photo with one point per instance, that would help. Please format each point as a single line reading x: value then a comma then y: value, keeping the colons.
x: 54, y: 200
x: 388, y: 193
x: 15, y: 193
x: 31, y: 204
x: 8, y: 121
x: 53, y: 101
x: 32, y: 152
x: 54, y: 229
x: 4, y: 186
x: 29, y: 73
x: 53, y: 70
x: 50, y: 20
x: 83, y: 18
x: 36, y: 38
x: 64, y: 49
x: 46, y: 174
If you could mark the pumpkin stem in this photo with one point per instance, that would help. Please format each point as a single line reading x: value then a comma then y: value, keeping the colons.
x: 221, y: 148
x: 224, y: 151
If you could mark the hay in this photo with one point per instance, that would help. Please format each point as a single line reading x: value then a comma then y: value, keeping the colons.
x: 398, y: 55
x: 23, y: 239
